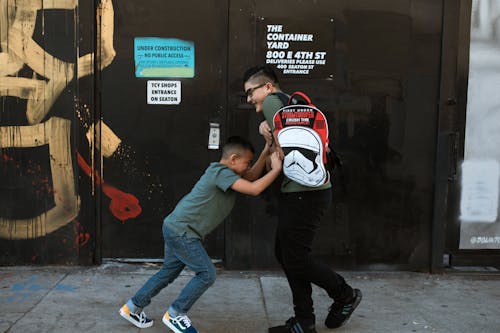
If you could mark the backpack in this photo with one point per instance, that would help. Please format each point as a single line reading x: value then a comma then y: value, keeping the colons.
x: 302, y: 132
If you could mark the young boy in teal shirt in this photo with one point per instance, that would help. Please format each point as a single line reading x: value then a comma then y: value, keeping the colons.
x: 195, y: 216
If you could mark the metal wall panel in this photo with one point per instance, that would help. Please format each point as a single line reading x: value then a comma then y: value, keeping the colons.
x: 382, y: 105
x: 44, y: 211
x: 89, y: 169
x: 163, y: 149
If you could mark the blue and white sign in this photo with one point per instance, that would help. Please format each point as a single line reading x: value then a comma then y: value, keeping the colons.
x: 163, y: 57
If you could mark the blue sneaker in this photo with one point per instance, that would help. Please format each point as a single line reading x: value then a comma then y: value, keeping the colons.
x: 179, y: 324
x: 138, y: 319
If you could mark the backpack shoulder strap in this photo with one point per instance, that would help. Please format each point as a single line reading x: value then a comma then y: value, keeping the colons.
x: 302, y: 98
x: 284, y: 98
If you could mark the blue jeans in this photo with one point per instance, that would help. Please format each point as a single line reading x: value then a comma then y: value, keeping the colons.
x: 180, y: 251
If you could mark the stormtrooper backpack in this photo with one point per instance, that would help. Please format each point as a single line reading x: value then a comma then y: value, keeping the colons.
x: 302, y: 132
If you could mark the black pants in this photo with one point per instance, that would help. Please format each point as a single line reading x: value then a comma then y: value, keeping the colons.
x: 299, y: 217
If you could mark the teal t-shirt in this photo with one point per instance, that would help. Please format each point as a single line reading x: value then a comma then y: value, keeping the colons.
x: 271, y: 104
x: 207, y: 205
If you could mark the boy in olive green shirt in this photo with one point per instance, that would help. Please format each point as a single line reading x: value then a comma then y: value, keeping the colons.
x: 196, y: 215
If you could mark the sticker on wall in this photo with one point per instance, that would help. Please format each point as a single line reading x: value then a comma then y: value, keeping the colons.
x: 479, y: 205
x: 163, y: 57
x: 479, y: 202
x: 164, y: 92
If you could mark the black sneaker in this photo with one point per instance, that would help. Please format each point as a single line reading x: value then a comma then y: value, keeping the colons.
x: 340, y: 312
x: 292, y: 325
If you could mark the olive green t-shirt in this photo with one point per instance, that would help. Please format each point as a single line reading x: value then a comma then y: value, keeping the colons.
x: 271, y: 104
x: 208, y: 204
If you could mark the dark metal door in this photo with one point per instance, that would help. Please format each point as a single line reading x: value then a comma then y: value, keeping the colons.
x: 156, y: 117
x: 379, y: 89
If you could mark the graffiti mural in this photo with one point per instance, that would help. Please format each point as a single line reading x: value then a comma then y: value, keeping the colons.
x: 55, y: 134
x: 38, y: 128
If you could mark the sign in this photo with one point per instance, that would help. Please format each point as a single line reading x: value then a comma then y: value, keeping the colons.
x: 164, y: 92
x: 298, y: 47
x: 163, y: 57
x: 479, y: 202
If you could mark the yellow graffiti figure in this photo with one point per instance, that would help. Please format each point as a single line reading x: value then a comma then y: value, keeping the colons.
x: 17, y: 24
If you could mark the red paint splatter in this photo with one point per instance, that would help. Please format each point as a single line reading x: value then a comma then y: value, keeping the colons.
x: 123, y: 205
x: 7, y: 157
x: 81, y: 236
x: 39, y: 183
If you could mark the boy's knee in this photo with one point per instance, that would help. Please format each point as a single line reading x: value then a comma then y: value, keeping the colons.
x: 209, y: 276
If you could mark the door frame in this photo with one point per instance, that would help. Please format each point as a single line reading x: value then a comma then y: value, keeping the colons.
x: 445, y: 251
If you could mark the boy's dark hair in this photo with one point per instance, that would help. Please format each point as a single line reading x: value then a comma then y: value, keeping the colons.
x: 236, y: 144
x: 261, y: 74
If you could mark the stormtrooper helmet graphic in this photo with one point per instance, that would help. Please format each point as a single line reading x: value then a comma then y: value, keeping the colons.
x: 303, y: 150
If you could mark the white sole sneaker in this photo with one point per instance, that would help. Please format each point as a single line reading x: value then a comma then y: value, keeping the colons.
x: 183, y: 322
x: 125, y: 315
x: 169, y: 325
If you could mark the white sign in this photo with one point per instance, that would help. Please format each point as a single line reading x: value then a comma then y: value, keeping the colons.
x: 479, y: 202
x: 164, y: 92
x: 282, y: 52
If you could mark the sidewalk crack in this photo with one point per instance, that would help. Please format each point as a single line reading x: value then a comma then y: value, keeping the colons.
x: 264, y: 304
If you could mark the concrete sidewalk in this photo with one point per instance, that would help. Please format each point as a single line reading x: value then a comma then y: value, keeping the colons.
x: 87, y: 299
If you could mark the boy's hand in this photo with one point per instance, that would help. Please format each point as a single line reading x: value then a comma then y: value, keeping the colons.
x: 265, y: 131
x: 276, y: 161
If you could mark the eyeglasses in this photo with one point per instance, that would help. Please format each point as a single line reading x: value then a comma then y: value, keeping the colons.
x: 249, y: 92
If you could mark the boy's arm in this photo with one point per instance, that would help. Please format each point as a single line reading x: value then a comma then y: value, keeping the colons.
x: 256, y: 187
x: 257, y: 168
x: 266, y: 132
x: 271, y: 105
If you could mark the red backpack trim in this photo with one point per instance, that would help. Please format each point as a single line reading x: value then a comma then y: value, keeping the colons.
x: 307, y: 115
